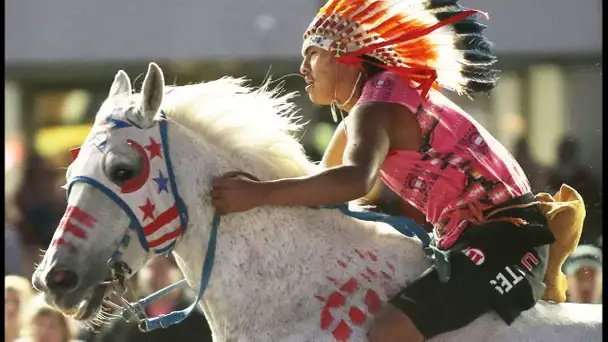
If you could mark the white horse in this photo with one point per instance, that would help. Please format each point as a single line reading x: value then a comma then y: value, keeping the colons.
x: 281, y: 274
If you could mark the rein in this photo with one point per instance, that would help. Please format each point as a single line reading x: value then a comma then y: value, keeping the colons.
x: 137, y: 309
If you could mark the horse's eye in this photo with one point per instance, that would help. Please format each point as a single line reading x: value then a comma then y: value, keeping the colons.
x: 125, y: 167
x: 120, y: 175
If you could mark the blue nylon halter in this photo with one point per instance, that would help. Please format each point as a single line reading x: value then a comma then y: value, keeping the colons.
x: 134, y: 222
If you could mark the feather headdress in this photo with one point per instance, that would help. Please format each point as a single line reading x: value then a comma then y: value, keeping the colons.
x: 433, y: 42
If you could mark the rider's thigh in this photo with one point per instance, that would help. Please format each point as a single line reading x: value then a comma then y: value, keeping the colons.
x: 437, y: 307
x: 392, y: 325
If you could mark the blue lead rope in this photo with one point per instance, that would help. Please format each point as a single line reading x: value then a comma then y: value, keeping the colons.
x: 402, y: 224
x: 407, y: 227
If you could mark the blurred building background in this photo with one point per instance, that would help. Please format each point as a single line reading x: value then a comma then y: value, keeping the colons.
x: 60, y: 59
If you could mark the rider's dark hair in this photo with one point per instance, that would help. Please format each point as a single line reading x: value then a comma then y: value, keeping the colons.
x: 370, y: 70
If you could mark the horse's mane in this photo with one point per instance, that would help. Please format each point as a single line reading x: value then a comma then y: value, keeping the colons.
x: 256, y: 122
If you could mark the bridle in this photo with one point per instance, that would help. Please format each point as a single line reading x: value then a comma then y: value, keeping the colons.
x: 120, y: 271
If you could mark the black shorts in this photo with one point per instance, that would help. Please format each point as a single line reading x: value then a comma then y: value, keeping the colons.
x: 496, y: 266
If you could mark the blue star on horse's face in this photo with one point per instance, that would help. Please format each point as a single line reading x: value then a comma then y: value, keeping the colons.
x: 108, y: 187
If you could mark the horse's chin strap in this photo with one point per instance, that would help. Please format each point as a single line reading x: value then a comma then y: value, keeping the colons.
x: 138, y: 308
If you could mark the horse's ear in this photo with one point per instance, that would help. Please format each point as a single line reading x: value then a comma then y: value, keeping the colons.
x: 152, y: 91
x: 121, y: 84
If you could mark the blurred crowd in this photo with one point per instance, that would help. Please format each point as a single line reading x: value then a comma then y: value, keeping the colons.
x: 39, y: 203
x: 583, y: 268
x: 27, y: 318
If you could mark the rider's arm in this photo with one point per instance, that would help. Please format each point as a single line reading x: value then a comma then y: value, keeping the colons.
x: 333, y: 157
x: 366, y: 148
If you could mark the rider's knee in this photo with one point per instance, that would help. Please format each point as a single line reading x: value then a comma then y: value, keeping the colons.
x: 390, y: 324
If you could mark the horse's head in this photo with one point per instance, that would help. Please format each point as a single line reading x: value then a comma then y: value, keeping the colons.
x: 121, y: 202
x: 123, y: 199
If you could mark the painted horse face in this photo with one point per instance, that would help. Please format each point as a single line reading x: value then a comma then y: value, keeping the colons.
x: 118, y: 181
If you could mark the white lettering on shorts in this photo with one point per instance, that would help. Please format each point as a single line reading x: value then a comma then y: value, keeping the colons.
x: 503, y: 284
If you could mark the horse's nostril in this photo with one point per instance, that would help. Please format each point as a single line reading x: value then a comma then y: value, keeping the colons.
x: 61, y: 281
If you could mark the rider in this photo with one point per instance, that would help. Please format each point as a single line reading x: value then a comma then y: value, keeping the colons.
x: 383, y: 63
